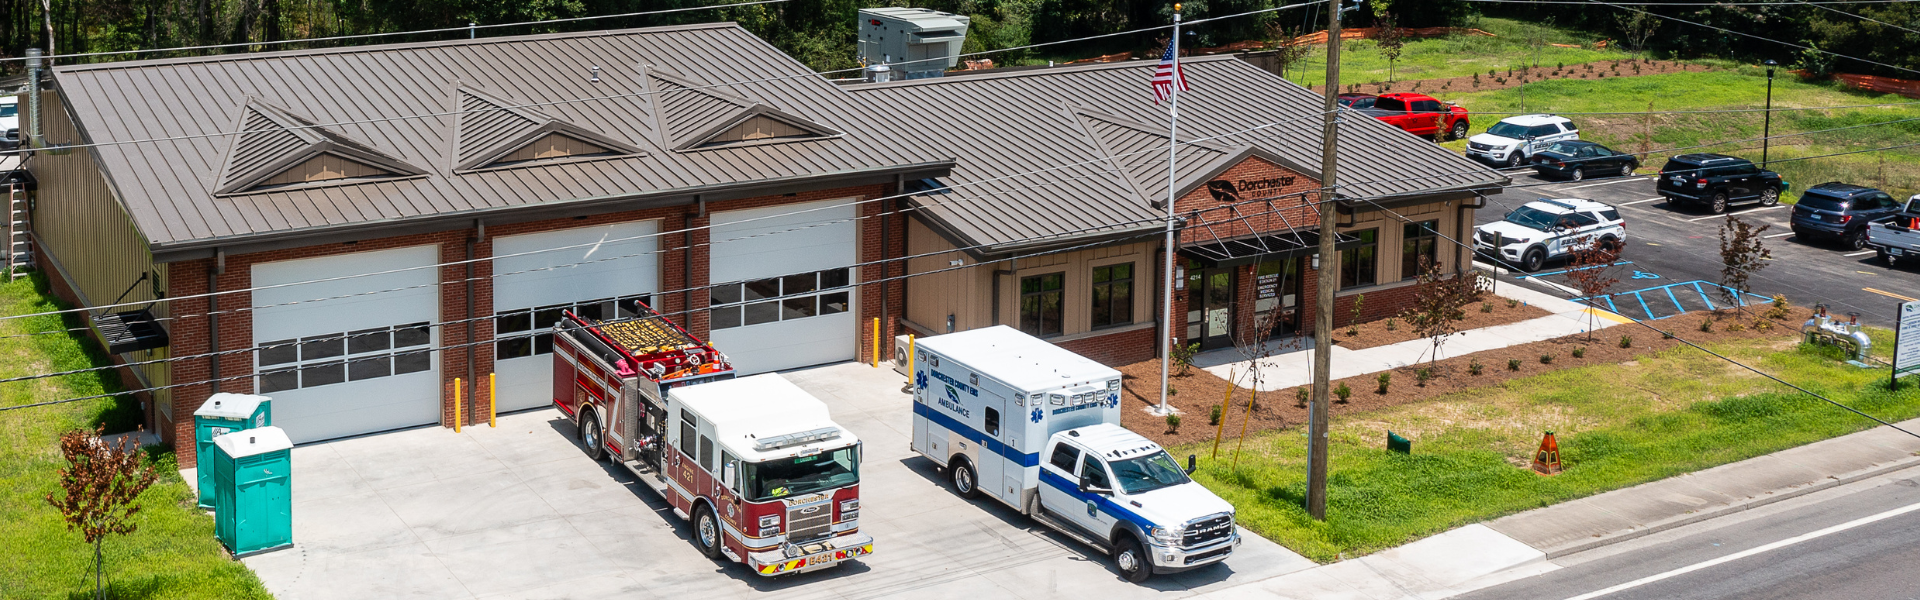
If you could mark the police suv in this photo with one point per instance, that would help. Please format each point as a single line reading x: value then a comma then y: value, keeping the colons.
x: 1037, y: 427
x: 1549, y: 229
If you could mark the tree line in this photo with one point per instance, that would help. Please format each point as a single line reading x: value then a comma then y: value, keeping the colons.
x: 821, y: 33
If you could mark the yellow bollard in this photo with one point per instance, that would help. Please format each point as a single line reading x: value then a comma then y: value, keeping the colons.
x: 909, y: 359
x: 456, y: 405
x: 493, y: 411
x: 876, y: 343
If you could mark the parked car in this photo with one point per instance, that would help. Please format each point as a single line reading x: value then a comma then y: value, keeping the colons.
x: 1835, y: 210
x: 1576, y: 160
x: 10, y: 122
x: 1547, y: 229
x: 1358, y: 101
x: 1896, y: 237
x: 1419, y: 114
x: 1514, y: 140
x: 1718, y: 181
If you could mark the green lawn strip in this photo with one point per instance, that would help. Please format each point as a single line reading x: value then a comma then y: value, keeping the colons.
x: 1676, y: 412
x: 172, y: 555
x: 1452, y: 56
x: 1893, y: 170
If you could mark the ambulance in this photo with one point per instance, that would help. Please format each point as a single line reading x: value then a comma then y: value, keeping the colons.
x: 1028, y: 424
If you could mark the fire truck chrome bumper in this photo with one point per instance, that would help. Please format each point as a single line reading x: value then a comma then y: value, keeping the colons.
x: 817, y: 555
x: 1168, y: 560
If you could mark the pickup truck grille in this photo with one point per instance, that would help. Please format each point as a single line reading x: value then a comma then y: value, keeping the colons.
x: 1207, y: 531
x: 810, y: 522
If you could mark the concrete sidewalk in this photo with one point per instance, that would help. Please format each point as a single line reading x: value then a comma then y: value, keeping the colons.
x: 1296, y: 369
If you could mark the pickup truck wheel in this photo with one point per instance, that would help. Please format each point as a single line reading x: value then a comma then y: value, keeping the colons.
x: 706, y: 532
x: 1856, y: 239
x: 1719, y: 203
x: 1769, y: 197
x: 590, y: 438
x: 1131, y: 559
x: 1579, y: 173
x: 1891, y: 261
x: 1533, y: 260
x: 1459, y: 130
x: 966, y: 482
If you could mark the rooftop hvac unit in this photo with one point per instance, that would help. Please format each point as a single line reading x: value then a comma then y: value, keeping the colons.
x: 919, y: 42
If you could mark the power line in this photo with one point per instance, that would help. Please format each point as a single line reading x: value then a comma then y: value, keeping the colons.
x: 1744, y: 34
x: 1860, y: 17
x: 336, y: 38
x: 1692, y: 3
x: 1700, y: 112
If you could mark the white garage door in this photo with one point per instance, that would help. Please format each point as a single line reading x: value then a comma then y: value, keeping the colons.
x: 600, y: 281
x: 794, y: 308
x: 346, y: 366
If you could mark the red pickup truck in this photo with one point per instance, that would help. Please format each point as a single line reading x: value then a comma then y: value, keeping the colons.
x: 1419, y: 114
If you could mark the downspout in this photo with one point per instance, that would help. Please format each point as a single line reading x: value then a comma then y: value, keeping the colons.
x: 1015, y: 268
x: 480, y: 233
x: 686, y: 272
x: 213, y: 316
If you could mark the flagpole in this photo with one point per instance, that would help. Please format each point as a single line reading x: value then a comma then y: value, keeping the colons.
x: 1173, y: 142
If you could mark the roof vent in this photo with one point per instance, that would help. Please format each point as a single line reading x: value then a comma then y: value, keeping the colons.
x: 880, y: 72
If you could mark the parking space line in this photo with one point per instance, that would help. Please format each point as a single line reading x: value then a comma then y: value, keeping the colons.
x: 1529, y: 275
x: 1620, y: 180
x: 1643, y: 201
x: 1890, y: 294
x: 1860, y: 253
x: 1738, y: 213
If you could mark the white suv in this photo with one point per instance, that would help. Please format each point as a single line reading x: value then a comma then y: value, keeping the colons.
x: 1551, y: 228
x: 1513, y: 140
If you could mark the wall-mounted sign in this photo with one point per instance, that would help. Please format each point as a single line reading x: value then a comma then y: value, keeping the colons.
x: 1243, y: 189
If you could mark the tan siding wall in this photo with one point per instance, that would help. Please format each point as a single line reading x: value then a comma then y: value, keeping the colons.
x: 553, y: 146
x: 967, y: 294
x: 1077, y: 315
x: 963, y: 293
x: 82, y: 228
x: 758, y: 128
x: 1392, y: 229
x: 322, y: 168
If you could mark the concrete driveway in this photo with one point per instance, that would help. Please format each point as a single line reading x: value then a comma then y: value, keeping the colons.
x: 519, y: 512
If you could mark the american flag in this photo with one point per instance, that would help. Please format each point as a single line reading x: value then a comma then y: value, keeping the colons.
x: 1168, y: 75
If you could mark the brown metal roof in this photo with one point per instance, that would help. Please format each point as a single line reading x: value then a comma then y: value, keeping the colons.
x: 168, y: 187
x: 999, y: 125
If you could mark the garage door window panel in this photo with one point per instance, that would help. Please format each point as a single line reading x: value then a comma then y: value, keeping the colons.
x: 524, y: 332
x: 778, y: 299
x: 346, y: 356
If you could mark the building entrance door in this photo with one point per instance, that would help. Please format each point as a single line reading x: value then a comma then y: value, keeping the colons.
x: 1276, y: 295
x: 1209, y: 307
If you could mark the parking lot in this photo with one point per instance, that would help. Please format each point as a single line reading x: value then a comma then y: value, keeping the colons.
x: 1668, y: 245
x: 518, y: 511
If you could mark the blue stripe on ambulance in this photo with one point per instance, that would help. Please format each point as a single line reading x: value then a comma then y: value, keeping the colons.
x: 974, y: 435
x: 1104, y: 503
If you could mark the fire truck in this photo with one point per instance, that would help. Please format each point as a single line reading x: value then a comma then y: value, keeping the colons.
x: 755, y: 463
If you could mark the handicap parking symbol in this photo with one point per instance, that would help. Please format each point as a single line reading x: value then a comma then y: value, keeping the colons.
x: 1645, y: 275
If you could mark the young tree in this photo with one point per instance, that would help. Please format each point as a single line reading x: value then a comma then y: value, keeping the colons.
x: 1742, y: 253
x: 101, y: 483
x: 1440, y: 304
x: 1285, y: 54
x: 1636, y: 29
x: 1392, y: 40
x: 1589, y: 271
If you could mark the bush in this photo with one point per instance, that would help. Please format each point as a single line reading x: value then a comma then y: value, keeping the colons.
x: 1736, y: 326
x: 1666, y: 335
x: 1546, y: 359
x: 1473, y: 368
x: 1513, y: 364
x: 1626, y: 341
x: 1580, y: 352
x: 1423, y: 375
x: 1781, y: 308
x: 1706, y: 325
x: 1486, y: 307
x: 1342, y: 391
x: 1386, y: 379
x: 1512, y: 303
x: 1173, y: 423
x: 1213, y: 415
x: 1392, y: 325
x: 1301, y: 396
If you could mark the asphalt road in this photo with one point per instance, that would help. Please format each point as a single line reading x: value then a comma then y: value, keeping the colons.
x: 1859, y: 544
x: 1671, y: 245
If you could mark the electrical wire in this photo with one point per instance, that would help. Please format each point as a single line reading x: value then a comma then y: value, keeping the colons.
x: 1860, y: 17
x: 1744, y: 34
x: 1692, y: 3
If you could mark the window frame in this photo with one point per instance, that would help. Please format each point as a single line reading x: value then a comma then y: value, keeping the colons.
x: 1426, y: 243
x: 536, y: 339
x: 334, y: 359
x: 1059, y: 304
x: 729, y: 304
x: 1094, y: 287
x: 1351, y: 265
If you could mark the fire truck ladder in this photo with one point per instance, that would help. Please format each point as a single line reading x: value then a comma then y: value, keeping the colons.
x: 19, y: 252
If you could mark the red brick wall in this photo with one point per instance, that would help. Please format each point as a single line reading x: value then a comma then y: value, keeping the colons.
x: 1252, y: 179
x: 1115, y: 349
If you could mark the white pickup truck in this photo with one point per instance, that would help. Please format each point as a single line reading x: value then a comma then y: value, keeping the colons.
x: 1895, y: 238
x: 1037, y: 427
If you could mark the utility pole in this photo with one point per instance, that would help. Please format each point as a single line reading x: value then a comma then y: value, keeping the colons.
x: 1329, y: 278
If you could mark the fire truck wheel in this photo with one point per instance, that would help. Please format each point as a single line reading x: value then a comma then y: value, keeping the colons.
x: 966, y: 482
x: 1131, y: 559
x: 590, y: 435
x: 706, y: 532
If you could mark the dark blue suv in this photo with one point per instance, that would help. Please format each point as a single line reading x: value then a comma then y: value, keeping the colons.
x: 1840, y: 210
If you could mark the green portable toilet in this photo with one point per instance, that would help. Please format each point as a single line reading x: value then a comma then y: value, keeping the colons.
x: 253, y: 490
x: 219, y: 415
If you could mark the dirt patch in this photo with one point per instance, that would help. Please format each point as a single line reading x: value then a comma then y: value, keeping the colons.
x: 1394, y: 330
x: 1508, y: 78
x: 1198, y: 391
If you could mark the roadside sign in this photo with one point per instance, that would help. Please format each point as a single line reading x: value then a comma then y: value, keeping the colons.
x: 1906, y: 341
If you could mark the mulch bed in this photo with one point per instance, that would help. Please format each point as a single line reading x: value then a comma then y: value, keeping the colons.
x: 1198, y: 390
x: 1377, y: 333
x: 1503, y: 79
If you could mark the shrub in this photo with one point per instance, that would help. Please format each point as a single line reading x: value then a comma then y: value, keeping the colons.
x: 1392, y: 325
x: 1706, y: 325
x: 1762, y: 325
x: 1386, y: 379
x: 1513, y: 364
x: 1546, y: 359
x: 1626, y: 341
x: 1580, y: 352
x: 1342, y: 391
x: 1666, y: 335
x: 1213, y: 415
x: 1736, y: 326
x: 1512, y: 303
x: 1423, y: 375
x: 1486, y: 307
x: 1173, y: 423
x: 1183, y: 357
x: 1780, y: 308
x: 1300, y: 397
x: 1473, y: 368
x: 1353, y: 330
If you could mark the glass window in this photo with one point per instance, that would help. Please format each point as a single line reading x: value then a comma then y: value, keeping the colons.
x: 1113, y: 295
x: 1610, y: 215
x: 513, y: 348
x: 765, y: 288
x: 686, y: 440
x: 591, y: 311
x: 1427, y: 106
x: 369, y: 368
x: 1507, y: 130
x: 322, y: 374
x: 326, y: 346
x: 1040, y: 304
x: 1543, y: 130
x: 283, y: 379
x: 1419, y: 247
x: 412, y: 362
x: 1148, y: 473
x: 629, y: 306
x: 1065, y: 456
x: 543, y: 343
x: 801, y: 474
x: 1358, y: 265
x: 545, y: 316
x: 992, y: 418
x: 369, y: 340
x: 1393, y: 104
x: 834, y: 278
x: 283, y: 351
x: 1094, y: 473
x: 797, y: 308
x: 1581, y: 219
x: 799, y: 284
x: 510, y: 322
x: 762, y: 312
x: 724, y: 317
x: 706, y: 453
x: 417, y: 334
x: 833, y: 303
x: 726, y: 294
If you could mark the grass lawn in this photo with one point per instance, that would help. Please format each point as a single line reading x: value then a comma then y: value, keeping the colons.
x: 1896, y: 171
x: 1618, y: 425
x: 1452, y: 56
x: 173, y: 555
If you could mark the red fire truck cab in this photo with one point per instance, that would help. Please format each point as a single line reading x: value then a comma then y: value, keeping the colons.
x: 764, y: 474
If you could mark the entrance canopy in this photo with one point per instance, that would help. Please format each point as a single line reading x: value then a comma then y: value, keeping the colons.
x: 1269, y: 247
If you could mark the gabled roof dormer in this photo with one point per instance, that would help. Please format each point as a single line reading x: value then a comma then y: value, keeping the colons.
x: 695, y: 116
x: 494, y: 133
x: 275, y: 149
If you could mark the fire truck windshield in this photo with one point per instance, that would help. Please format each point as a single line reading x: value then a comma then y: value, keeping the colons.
x: 785, y: 477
